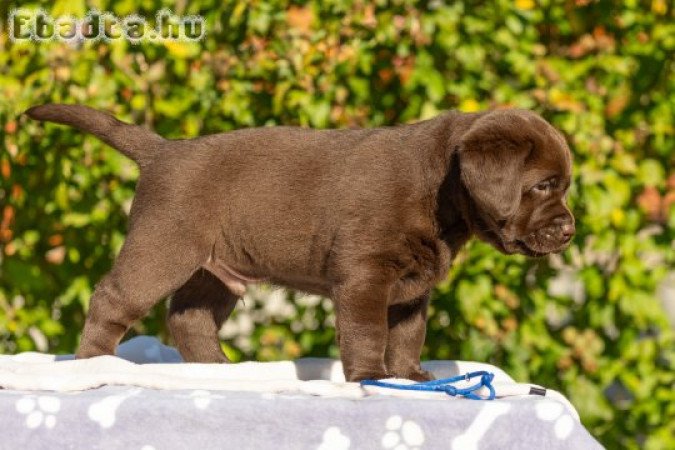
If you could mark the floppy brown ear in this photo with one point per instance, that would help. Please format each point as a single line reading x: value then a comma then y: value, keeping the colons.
x: 492, y: 156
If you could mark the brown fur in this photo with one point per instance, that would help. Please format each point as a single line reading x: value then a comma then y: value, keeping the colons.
x: 370, y: 217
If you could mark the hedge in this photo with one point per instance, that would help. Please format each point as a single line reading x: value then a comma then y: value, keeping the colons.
x: 587, y: 322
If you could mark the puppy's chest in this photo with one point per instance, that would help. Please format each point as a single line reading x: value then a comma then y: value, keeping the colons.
x: 424, y: 265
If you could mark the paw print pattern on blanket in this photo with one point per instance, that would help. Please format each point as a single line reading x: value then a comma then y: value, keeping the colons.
x: 479, y: 427
x: 39, y: 410
x: 333, y: 439
x: 402, y: 435
x: 104, y: 411
x: 201, y: 398
x: 550, y: 411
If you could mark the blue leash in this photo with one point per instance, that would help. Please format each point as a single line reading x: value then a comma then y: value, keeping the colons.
x: 444, y: 385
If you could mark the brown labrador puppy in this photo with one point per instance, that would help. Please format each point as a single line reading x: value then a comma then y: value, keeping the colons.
x: 369, y: 217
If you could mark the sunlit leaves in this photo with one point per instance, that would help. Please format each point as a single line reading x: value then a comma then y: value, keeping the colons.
x: 588, y: 323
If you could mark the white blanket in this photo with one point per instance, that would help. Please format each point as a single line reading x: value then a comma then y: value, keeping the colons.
x: 146, y: 397
x: 145, y: 362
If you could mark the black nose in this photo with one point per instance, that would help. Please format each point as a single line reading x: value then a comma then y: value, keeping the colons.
x: 566, y: 224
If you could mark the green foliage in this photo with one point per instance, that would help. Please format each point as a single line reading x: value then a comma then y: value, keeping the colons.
x: 587, y: 322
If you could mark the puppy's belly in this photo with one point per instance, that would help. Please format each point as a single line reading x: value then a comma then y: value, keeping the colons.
x: 252, y: 251
x: 230, y: 277
x: 404, y: 290
x: 237, y: 280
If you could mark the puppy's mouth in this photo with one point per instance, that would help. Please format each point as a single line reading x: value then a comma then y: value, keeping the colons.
x: 536, y: 245
x: 541, y: 242
x: 526, y: 250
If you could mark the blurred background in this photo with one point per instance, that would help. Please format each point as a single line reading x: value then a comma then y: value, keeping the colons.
x: 595, y: 322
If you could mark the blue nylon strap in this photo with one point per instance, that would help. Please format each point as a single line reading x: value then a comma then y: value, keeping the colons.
x: 445, y: 385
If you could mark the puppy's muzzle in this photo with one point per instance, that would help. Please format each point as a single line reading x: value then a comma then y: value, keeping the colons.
x: 551, y: 238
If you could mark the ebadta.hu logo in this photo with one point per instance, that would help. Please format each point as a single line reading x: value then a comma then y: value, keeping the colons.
x: 39, y: 26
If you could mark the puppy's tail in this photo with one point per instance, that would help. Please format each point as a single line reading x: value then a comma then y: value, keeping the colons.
x: 134, y: 141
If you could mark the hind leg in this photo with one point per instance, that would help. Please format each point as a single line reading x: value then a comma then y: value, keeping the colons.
x: 154, y: 262
x: 198, y: 310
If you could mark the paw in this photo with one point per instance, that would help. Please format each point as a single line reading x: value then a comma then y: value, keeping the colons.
x: 204, y: 357
x: 415, y: 375
x: 218, y: 359
x: 90, y: 350
x: 360, y: 375
x: 222, y: 359
x: 421, y: 375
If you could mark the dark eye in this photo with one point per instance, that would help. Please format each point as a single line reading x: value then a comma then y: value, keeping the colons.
x: 544, y: 186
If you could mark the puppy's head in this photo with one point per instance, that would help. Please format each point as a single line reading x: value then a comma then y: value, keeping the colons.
x: 516, y: 168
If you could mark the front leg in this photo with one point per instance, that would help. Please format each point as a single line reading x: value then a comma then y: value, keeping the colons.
x: 361, y: 319
x: 407, y: 330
